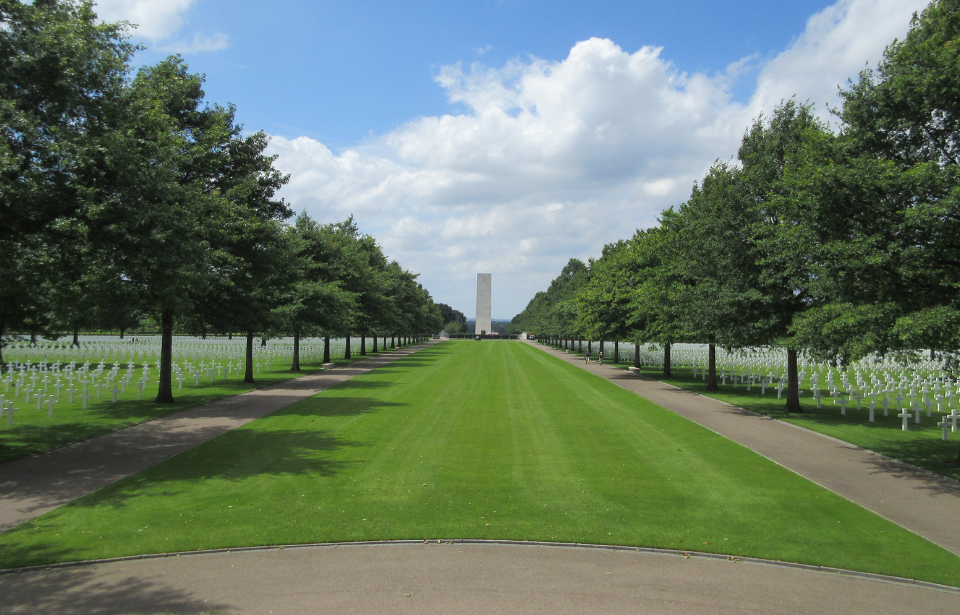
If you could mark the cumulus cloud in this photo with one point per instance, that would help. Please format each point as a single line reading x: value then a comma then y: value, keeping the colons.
x: 160, y: 20
x: 552, y: 159
x: 156, y: 19
x: 836, y: 45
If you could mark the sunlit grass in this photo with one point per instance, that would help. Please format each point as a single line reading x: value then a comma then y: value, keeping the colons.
x: 492, y: 440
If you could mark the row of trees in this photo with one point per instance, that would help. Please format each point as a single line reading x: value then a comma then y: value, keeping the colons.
x: 125, y: 194
x: 838, y: 244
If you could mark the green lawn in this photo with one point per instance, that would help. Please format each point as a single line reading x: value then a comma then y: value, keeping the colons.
x: 922, y: 445
x: 34, y: 432
x: 492, y: 440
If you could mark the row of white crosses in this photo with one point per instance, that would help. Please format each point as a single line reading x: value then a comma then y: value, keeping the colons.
x: 922, y: 388
x: 40, y: 376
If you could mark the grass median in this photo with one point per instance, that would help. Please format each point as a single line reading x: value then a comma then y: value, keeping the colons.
x: 491, y: 440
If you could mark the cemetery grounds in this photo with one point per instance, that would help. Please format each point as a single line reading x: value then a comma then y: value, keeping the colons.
x: 53, y: 393
x: 929, y: 438
x: 490, y: 440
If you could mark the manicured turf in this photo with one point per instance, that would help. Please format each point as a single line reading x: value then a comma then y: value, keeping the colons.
x: 34, y: 432
x: 922, y: 445
x: 477, y: 440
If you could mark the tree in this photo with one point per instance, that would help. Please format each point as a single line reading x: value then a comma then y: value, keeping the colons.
x: 61, y: 78
x: 315, y: 302
x: 151, y: 230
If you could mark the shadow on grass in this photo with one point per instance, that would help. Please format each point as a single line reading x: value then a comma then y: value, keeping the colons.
x: 254, y: 451
x: 23, y: 439
x: 84, y: 590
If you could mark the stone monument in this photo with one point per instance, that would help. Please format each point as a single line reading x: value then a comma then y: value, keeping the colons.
x: 483, y: 305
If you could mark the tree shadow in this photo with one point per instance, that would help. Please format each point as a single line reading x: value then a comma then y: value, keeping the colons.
x: 83, y: 590
x: 200, y: 454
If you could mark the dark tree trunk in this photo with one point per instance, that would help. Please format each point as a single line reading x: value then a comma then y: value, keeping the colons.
x: 346, y: 353
x: 121, y: 332
x: 296, y: 351
x: 374, y: 344
x: 2, y: 329
x: 165, y: 390
x: 33, y: 338
x: 933, y: 356
x: 393, y: 342
x: 363, y: 345
x: 203, y: 333
x: 248, y: 372
x: 793, y: 383
x: 667, y: 372
x: 616, y: 352
x: 230, y: 335
x: 581, y: 345
x: 712, y: 369
x: 263, y: 341
x: 636, y: 355
x: 76, y: 337
x: 590, y: 346
x: 326, y: 349
x: 384, y: 343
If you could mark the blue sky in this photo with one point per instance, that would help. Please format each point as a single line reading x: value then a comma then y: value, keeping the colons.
x: 507, y: 136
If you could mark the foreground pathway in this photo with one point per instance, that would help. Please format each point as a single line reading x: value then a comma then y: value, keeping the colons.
x: 34, y: 485
x: 919, y: 501
x: 455, y: 578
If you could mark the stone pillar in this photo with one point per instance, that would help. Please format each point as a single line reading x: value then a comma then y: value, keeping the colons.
x: 483, y: 326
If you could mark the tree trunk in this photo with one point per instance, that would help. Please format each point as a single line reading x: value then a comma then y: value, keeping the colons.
x: 393, y: 342
x: 2, y: 328
x: 793, y: 383
x: 263, y: 341
x: 589, y: 347
x: 374, y: 344
x: 230, y: 335
x: 581, y: 345
x: 346, y: 353
x: 326, y: 349
x: 248, y: 372
x: 165, y: 390
x: 616, y: 352
x: 712, y: 370
x: 363, y: 345
x: 667, y: 372
x: 296, y: 351
x: 636, y: 355
x: 933, y: 356
x: 384, y: 343
x: 76, y: 337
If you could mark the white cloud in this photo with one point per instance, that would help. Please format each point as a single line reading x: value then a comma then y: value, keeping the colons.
x: 836, y: 45
x: 160, y: 20
x: 200, y: 42
x: 553, y: 159
x: 156, y: 19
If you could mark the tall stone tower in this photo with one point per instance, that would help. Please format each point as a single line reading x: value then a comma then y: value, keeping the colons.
x: 484, y: 326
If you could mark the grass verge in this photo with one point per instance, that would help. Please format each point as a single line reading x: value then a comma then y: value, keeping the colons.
x: 922, y: 445
x: 477, y: 440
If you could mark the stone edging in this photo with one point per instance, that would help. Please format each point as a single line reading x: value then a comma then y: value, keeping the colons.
x: 478, y: 541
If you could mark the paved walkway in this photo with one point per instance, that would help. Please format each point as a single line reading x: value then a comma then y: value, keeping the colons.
x: 34, y: 485
x: 916, y: 500
x: 455, y: 578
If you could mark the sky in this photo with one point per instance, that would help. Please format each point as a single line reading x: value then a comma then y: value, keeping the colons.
x: 507, y: 136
